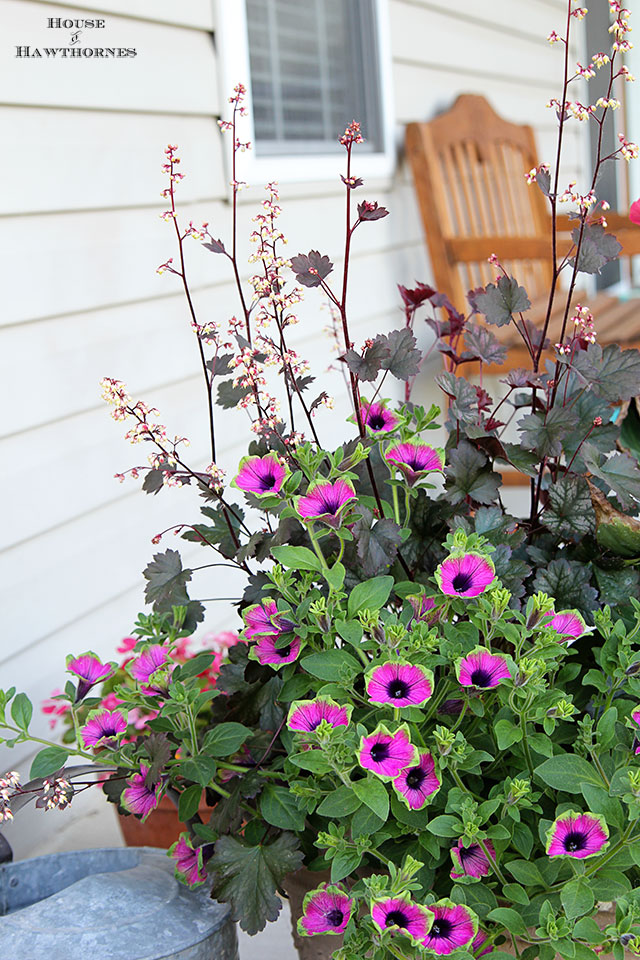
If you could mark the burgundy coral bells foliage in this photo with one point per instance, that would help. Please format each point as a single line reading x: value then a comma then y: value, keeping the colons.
x: 103, y: 728
x: 90, y: 670
x: 189, y: 861
x: 578, y: 835
x: 399, y: 684
x: 415, y: 459
x: 482, y: 669
x: 306, y: 715
x: 453, y: 926
x: 467, y: 575
x: 261, y: 476
x: 401, y: 915
x: 325, y: 910
x: 414, y: 785
x: 386, y: 753
x: 139, y: 798
x: 325, y: 500
x: 470, y: 860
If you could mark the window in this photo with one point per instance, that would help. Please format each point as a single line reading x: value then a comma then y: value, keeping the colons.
x: 310, y: 66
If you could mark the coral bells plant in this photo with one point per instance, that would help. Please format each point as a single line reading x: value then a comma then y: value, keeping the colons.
x: 433, y: 706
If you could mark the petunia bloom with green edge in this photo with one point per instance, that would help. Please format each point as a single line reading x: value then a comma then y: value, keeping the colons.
x: 386, y: 753
x: 306, y: 715
x: 326, y: 910
x: 454, y: 925
x: 398, y: 683
x: 261, y: 476
x: 465, y: 575
x: 577, y: 835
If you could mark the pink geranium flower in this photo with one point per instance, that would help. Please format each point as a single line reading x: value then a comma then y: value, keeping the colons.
x: 326, y: 500
x: 326, y: 910
x: 467, y: 575
x: 55, y: 709
x: 634, y: 212
x: 577, y: 835
x: 262, y: 476
x: 386, y: 753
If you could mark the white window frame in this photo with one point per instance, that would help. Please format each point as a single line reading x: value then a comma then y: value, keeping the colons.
x: 232, y: 48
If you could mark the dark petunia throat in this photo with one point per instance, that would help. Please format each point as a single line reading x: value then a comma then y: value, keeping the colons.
x: 379, y: 752
x: 398, y: 689
x: 376, y: 422
x: 575, y: 841
x: 335, y: 917
x: 284, y: 651
x: 441, y: 927
x: 415, y: 778
x: 267, y: 482
x: 481, y: 678
x: 396, y: 918
x: 462, y: 582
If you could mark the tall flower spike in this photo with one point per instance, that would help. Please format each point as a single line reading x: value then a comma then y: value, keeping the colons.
x: 386, y: 753
x: 577, y: 835
x: 326, y: 910
x: 467, y: 575
x: 399, y: 684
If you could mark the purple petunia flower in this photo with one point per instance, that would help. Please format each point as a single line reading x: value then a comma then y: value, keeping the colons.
x: 90, y: 670
x: 189, y: 860
x: 262, y: 476
x: 468, y: 575
x: 568, y: 624
x: 262, y: 618
x: 482, y: 669
x: 325, y: 501
x: 137, y: 797
x: 422, y: 607
x: 103, y: 727
x: 266, y: 651
x: 578, y: 835
x: 377, y: 417
x: 415, y: 459
x: 306, y: 715
x: 416, y: 784
x: 471, y: 860
x: 399, y: 683
x: 386, y: 753
x: 155, y: 658
x: 402, y: 914
x: 635, y: 716
x: 454, y: 925
x: 325, y: 910
x: 478, y: 941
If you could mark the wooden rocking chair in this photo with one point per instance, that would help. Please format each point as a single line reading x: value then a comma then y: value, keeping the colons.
x: 469, y: 166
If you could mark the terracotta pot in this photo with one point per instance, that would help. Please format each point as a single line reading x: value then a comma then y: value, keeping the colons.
x: 160, y: 829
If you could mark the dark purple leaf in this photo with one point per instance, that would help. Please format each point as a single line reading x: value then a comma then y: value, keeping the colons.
x: 596, y: 249
x: 403, y: 360
x: 413, y: 297
x: 216, y: 246
x: 620, y: 472
x: 371, y: 211
x: 312, y: 268
x: 367, y: 366
x: 229, y: 396
x: 482, y: 345
x: 220, y: 366
x: 500, y: 301
x: 543, y: 179
x: 545, y: 433
x: 470, y: 475
x: 612, y: 373
x: 464, y: 401
x: 377, y: 541
x: 353, y: 183
x: 569, y: 583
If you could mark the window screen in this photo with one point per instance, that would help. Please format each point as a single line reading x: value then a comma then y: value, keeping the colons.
x: 314, y: 68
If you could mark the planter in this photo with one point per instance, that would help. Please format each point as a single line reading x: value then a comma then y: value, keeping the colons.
x: 160, y: 829
x: 115, y: 904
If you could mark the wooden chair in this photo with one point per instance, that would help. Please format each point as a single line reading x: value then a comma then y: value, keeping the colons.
x: 469, y: 166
